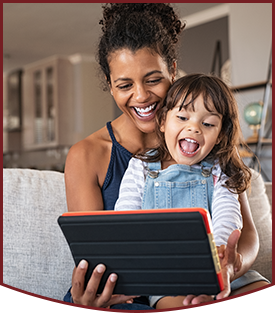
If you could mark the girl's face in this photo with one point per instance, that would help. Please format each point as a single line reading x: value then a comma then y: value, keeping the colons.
x: 139, y: 82
x: 190, y: 135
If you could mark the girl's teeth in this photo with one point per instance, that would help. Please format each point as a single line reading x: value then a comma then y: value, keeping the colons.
x: 190, y: 140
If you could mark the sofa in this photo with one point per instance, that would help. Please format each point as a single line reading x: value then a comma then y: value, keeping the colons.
x: 36, y: 257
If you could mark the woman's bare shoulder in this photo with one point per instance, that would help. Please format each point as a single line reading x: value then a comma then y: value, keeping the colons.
x: 85, y: 170
x: 89, y: 158
x: 90, y: 148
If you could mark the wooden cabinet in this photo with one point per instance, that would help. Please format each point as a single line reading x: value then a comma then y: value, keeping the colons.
x: 47, y: 104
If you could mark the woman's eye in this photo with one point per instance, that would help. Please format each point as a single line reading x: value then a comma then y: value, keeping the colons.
x: 124, y: 86
x: 155, y: 81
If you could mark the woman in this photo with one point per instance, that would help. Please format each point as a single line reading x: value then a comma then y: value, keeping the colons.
x: 137, y: 54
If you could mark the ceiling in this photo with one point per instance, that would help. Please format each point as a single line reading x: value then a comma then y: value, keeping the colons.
x: 34, y: 31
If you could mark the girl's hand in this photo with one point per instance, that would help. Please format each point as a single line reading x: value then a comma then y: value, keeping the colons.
x: 89, y: 296
x: 192, y: 299
x: 231, y: 262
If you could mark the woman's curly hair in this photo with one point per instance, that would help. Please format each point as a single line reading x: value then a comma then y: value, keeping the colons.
x: 214, y: 91
x: 138, y: 25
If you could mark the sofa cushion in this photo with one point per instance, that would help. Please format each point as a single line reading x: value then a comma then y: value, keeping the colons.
x: 36, y: 257
x: 261, y: 212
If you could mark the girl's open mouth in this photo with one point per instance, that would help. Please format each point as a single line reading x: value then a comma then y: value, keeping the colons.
x: 189, y: 146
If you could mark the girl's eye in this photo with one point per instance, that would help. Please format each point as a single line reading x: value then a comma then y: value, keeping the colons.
x: 182, y: 118
x: 208, y: 125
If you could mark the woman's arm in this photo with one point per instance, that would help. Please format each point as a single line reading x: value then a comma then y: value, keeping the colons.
x: 85, y: 170
x: 248, y: 245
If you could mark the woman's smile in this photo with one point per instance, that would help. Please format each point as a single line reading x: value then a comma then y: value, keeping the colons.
x: 146, y: 112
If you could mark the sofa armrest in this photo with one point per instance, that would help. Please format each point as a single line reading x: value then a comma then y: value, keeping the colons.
x: 36, y: 256
x: 261, y: 213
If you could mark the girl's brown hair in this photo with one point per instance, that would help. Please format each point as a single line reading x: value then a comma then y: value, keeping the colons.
x: 226, y: 152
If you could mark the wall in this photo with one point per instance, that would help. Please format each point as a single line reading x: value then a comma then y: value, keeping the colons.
x: 93, y: 106
x: 248, y: 29
x: 250, y: 35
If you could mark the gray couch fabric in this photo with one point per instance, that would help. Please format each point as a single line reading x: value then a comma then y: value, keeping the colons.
x: 36, y: 257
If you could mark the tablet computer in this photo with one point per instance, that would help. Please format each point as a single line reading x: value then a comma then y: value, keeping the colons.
x: 153, y: 252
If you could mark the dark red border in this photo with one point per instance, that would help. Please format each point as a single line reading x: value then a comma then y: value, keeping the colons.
x: 15, y: 300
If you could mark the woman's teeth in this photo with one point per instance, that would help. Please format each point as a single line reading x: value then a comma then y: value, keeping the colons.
x: 146, y: 111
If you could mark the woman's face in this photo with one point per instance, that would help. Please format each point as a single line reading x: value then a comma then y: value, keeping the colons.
x: 139, y: 83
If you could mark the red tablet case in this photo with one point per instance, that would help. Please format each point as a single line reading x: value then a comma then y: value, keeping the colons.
x: 154, y: 252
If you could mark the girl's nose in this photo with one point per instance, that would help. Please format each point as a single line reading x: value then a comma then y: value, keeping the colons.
x: 194, y: 127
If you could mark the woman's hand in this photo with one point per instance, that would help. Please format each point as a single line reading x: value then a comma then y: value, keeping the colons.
x: 89, y: 296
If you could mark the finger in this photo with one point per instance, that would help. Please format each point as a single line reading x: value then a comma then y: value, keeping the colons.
x: 221, y: 250
x: 232, y: 243
x: 226, y: 284
x: 201, y: 298
x: 106, y: 295
x: 188, y: 299
x: 78, y: 280
x: 233, y: 239
x: 90, y: 293
x: 116, y: 299
x: 223, y: 294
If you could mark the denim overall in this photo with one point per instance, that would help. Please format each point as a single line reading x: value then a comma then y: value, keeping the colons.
x: 178, y: 186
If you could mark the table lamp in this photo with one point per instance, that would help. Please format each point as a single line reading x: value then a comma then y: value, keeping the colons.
x: 252, y: 116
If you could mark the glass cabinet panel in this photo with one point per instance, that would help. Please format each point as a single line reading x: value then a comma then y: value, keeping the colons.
x: 38, y: 114
x: 50, y: 109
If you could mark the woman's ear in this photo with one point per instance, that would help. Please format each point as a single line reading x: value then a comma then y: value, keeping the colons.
x: 109, y: 84
x: 174, y: 71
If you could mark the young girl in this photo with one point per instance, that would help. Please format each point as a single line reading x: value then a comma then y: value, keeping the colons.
x: 196, y: 163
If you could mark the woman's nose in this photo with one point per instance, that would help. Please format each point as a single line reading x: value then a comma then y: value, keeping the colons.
x: 141, y: 93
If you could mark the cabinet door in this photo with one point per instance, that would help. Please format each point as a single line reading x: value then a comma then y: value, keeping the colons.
x: 40, y: 106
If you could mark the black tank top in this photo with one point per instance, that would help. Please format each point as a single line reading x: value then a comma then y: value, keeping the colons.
x: 120, y: 158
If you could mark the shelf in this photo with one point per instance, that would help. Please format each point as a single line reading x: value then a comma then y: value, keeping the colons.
x: 245, y: 87
x: 264, y: 141
x: 244, y: 153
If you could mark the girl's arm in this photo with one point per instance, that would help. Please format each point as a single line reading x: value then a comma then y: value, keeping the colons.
x: 131, y: 187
